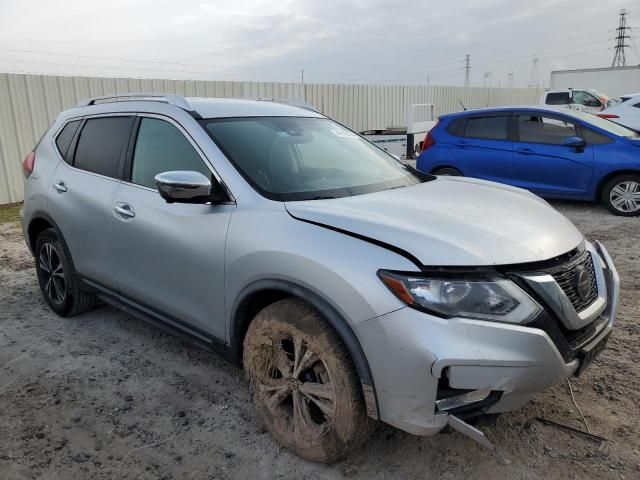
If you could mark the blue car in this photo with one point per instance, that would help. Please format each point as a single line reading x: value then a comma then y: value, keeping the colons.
x: 555, y: 154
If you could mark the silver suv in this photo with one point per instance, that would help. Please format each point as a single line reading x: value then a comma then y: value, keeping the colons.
x: 351, y: 287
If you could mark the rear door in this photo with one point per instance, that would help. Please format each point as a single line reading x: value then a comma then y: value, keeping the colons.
x: 482, y: 147
x: 170, y: 257
x: 541, y: 161
x: 83, y: 189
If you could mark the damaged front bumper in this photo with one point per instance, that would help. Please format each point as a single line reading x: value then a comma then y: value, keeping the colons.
x: 414, y: 356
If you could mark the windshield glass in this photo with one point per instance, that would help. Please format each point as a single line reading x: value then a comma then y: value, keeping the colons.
x: 295, y: 158
x: 606, y: 125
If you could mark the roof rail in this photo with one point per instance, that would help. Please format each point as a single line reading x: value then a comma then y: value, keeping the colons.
x: 169, y: 98
x: 290, y: 101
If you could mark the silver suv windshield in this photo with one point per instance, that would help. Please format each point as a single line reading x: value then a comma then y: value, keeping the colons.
x: 296, y: 158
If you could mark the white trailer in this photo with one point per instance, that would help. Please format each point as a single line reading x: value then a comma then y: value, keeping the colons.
x: 403, y: 142
x: 613, y: 82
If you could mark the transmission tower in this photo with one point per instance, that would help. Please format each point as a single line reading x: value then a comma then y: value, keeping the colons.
x: 619, y: 59
x: 534, y: 79
x: 467, y: 70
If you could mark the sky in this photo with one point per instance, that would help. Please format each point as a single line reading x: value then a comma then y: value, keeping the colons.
x: 365, y: 42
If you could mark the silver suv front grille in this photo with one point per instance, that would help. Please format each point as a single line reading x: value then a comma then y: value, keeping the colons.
x: 568, y: 277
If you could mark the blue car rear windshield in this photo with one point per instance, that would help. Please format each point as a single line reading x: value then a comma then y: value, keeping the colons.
x: 298, y: 158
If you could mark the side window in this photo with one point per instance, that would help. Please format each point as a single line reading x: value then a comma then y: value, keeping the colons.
x: 581, y: 97
x: 558, y: 98
x: 489, y: 128
x: 594, y: 138
x: 637, y: 105
x: 549, y: 130
x: 63, y: 141
x: 456, y: 128
x: 161, y: 147
x: 101, y: 144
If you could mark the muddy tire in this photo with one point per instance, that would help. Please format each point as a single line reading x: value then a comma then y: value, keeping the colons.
x: 57, y: 276
x: 303, y: 383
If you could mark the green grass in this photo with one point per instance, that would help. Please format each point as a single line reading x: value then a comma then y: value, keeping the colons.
x: 10, y: 213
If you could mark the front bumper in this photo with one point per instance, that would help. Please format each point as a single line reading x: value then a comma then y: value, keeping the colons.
x: 410, y: 351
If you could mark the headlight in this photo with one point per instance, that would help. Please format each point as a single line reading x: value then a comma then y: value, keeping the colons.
x: 496, y: 299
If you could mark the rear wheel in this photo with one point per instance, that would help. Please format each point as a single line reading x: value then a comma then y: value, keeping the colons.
x: 621, y: 195
x: 447, y: 171
x: 303, y: 382
x: 57, y: 277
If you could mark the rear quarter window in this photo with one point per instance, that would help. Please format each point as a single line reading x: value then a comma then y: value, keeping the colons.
x: 64, y: 138
x: 558, y: 98
x: 456, y: 127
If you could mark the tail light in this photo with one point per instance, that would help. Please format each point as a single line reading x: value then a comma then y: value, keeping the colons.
x: 28, y: 164
x: 607, y: 115
x: 428, y: 142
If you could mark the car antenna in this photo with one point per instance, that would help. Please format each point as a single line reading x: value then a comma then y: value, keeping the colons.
x: 462, y: 105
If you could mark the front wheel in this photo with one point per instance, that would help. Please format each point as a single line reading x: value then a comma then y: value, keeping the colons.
x: 303, y: 382
x: 621, y: 195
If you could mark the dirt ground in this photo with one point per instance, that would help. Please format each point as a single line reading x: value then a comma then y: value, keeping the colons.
x: 104, y: 395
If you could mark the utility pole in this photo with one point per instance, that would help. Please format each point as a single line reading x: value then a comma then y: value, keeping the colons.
x: 619, y: 59
x: 534, y: 79
x: 467, y: 71
x: 302, y: 76
x: 510, y: 80
x: 487, y: 80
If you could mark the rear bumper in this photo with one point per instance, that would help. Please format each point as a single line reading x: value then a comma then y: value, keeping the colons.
x: 409, y: 351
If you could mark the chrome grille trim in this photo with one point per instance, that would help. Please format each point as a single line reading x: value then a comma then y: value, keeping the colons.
x: 546, y: 286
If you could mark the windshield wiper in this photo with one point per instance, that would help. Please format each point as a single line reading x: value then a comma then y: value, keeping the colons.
x: 323, y: 197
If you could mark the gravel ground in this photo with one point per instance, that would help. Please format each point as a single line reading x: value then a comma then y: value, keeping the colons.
x: 104, y: 395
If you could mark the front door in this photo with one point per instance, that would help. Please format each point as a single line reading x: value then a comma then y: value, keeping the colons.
x: 541, y: 161
x: 170, y: 257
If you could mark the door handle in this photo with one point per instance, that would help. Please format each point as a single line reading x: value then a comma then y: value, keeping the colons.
x: 524, y: 151
x: 60, y: 186
x: 124, y: 210
x: 461, y: 144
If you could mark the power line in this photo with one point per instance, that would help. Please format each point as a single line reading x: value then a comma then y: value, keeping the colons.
x: 619, y: 59
x: 260, y: 70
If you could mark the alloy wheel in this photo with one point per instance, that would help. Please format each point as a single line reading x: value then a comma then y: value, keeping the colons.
x: 297, y: 389
x: 625, y: 196
x: 53, y: 280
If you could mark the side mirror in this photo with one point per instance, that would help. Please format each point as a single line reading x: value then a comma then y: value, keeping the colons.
x: 575, y: 142
x: 184, y: 187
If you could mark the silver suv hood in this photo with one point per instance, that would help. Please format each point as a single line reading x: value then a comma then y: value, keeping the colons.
x: 451, y: 221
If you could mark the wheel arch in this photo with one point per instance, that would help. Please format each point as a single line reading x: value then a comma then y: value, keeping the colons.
x: 603, y: 181
x: 261, y: 293
x: 39, y: 222
x: 440, y: 167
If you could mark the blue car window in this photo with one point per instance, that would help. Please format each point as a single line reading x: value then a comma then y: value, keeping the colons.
x: 489, y: 128
x: 548, y: 130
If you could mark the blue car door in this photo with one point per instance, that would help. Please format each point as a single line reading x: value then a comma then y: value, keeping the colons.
x: 542, y: 162
x: 483, y: 148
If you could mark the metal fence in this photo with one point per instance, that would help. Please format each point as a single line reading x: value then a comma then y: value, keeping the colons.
x: 30, y: 103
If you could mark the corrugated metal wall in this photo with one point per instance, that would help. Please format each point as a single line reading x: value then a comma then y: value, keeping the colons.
x: 30, y: 103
